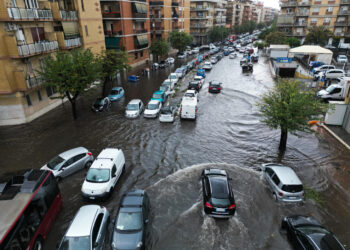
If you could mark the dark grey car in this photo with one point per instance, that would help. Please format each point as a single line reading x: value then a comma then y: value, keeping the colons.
x: 131, y: 221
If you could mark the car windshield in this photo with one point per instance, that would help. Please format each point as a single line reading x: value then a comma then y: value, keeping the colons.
x: 173, y: 76
x: 98, y: 102
x: 157, y: 96
x: 292, y: 188
x: 306, y: 229
x: 342, y: 57
x: 330, y: 88
x: 178, y: 71
x: 207, y: 63
x: 114, y: 92
x: 164, y: 88
x: 220, y: 202
x: 75, y: 243
x: 128, y: 221
x: 152, y: 106
x: 132, y: 107
x: 190, y: 95
x: 166, y: 82
x: 97, y: 175
x: 55, y: 163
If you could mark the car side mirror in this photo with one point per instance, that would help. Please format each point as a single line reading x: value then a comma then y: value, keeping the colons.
x: 230, y: 178
x: 146, y: 221
x: 57, y: 245
x: 114, y: 175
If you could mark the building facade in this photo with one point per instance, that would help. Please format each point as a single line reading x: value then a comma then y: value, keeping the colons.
x: 167, y: 16
x: 30, y: 30
x: 126, y: 26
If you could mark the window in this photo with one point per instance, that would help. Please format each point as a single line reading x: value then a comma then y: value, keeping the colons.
x: 29, y: 102
x: 82, y: 6
x: 49, y: 91
x: 269, y: 171
x: 38, y: 34
x: 335, y: 91
x: 135, y: 55
x: 327, y: 20
x: 114, y: 169
x: 39, y: 96
x: 329, y: 10
x: 30, y: 67
x: 78, y: 157
x: 13, y: 3
x: 86, y: 30
x: 313, y: 20
x: 69, y: 162
x: 276, y: 180
x: 96, y: 228
x: 315, y: 10
x: 141, y: 54
x: 31, y: 4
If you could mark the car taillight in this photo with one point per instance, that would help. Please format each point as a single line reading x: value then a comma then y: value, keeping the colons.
x: 208, y: 205
x: 210, y: 87
x: 303, y: 194
x: 90, y: 154
x: 280, y: 194
x: 218, y: 88
x: 232, y: 206
x: 196, y: 109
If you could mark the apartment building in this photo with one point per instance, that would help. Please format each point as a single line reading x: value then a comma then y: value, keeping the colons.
x: 30, y: 30
x: 169, y: 15
x: 269, y: 14
x: 126, y: 26
x: 297, y: 16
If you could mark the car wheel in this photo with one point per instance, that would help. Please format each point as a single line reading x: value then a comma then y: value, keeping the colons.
x: 88, y: 164
x: 58, y: 178
x: 274, y: 197
x: 38, y: 244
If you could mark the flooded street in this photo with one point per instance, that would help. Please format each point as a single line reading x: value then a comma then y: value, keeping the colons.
x: 167, y: 159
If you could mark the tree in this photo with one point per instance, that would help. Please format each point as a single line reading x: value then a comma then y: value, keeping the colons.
x: 265, y: 32
x: 159, y: 48
x: 318, y: 35
x: 275, y: 38
x: 289, y: 108
x: 71, y: 73
x: 179, y: 40
x: 260, y: 45
x: 112, y: 62
x: 217, y: 33
x: 293, y: 42
x: 261, y: 25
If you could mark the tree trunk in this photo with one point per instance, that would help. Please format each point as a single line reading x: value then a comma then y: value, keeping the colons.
x: 74, y: 111
x: 283, y: 140
x: 104, y: 87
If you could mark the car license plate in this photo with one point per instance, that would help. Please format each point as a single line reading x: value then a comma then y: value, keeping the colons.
x: 214, y: 88
x: 92, y: 198
x: 220, y: 210
x: 293, y: 198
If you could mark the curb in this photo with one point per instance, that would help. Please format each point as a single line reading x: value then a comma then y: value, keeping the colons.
x: 334, y: 135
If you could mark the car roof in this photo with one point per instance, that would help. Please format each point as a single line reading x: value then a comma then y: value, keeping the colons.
x: 167, y: 108
x: 154, y: 101
x: 199, y: 77
x: 191, y: 91
x: 218, y: 186
x: 135, y: 101
x: 73, y: 152
x: 286, y: 175
x: 82, y: 222
x: 117, y: 88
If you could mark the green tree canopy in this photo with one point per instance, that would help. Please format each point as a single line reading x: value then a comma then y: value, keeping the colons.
x: 112, y: 62
x: 261, y: 25
x: 217, y: 33
x: 179, y: 40
x: 293, y: 42
x: 71, y: 73
x: 275, y: 38
x: 265, y: 32
x: 318, y: 35
x: 159, y: 48
x: 288, y: 107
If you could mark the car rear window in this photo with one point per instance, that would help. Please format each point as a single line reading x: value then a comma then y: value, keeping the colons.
x: 166, y: 112
x: 292, y: 188
x: 220, y: 202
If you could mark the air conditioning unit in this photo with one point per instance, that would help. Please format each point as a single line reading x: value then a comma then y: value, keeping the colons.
x: 11, y: 27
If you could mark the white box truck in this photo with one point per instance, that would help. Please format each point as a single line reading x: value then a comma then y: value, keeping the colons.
x: 188, y: 108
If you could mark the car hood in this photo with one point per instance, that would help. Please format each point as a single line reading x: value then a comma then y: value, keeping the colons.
x: 131, y: 112
x: 150, y: 111
x: 322, y: 92
x: 94, y: 188
x: 296, y: 220
x: 126, y: 240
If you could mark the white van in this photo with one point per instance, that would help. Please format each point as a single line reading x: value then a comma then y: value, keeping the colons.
x: 103, y: 174
x: 188, y: 108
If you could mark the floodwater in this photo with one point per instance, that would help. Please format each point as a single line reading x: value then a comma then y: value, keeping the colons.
x: 167, y: 159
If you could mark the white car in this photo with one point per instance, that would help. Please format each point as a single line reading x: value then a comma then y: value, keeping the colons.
x: 170, y: 60
x: 232, y: 55
x: 167, y: 114
x: 195, y: 51
x: 191, y: 94
x: 342, y: 59
x: 199, y: 79
x: 103, y: 174
x: 322, y: 68
x: 170, y: 83
x: 134, y: 108
x: 212, y: 46
x: 189, y: 52
x: 334, y: 73
x: 152, y: 109
x: 207, y: 66
x: 213, y: 60
x: 173, y: 78
x: 181, y: 55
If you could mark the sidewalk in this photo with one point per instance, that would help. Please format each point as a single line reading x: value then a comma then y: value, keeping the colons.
x: 339, y: 133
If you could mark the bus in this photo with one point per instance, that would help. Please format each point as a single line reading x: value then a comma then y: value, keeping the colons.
x: 29, y: 203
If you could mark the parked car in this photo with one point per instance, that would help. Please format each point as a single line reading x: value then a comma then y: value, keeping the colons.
x: 181, y: 72
x: 322, y: 68
x: 219, y: 56
x: 212, y: 52
x: 218, y: 197
x: 334, y: 91
x: 152, y: 109
x: 101, y: 104
x: 159, y: 95
x: 305, y: 232
x: 167, y: 114
x: 191, y: 94
x: 116, y: 93
x: 195, y: 85
x: 163, y: 64
x: 226, y: 52
x: 200, y: 79
x: 185, y: 68
x: 170, y: 60
x: 88, y: 230
x: 134, y: 108
x: 195, y: 50
x: 155, y: 66
x: 334, y: 73
x: 103, y: 174
x: 181, y: 55
x: 169, y: 83
x: 285, y: 185
x: 69, y: 162
x: 190, y: 65
x: 165, y: 89
x: 213, y: 60
x: 342, y: 59
x: 189, y: 52
x: 129, y: 228
x: 215, y: 87
x: 315, y: 64
x: 233, y: 55
x: 207, y: 66
x: 201, y: 72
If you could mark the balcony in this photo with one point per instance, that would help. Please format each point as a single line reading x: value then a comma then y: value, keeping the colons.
x: 298, y: 34
x: 33, y: 81
x: 141, y: 41
x: 285, y: 21
x: 139, y: 16
x: 112, y: 42
x: 140, y: 31
x: 33, y: 49
x: 68, y: 15
x: 72, y: 43
x: 174, y: 3
x: 301, y: 24
x: 305, y: 3
x: 17, y: 14
x: 152, y: 3
x: 156, y: 18
x: 200, y: 9
x: 201, y: 17
x: 341, y: 24
x: 199, y: 34
x: 200, y: 25
x: 345, y: 2
x: 111, y: 15
x: 343, y: 12
x: 302, y: 13
x: 289, y: 4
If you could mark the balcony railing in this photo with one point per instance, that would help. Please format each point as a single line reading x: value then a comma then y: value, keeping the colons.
x: 302, y: 13
x: 289, y: 4
x: 36, y: 48
x: 33, y: 81
x: 305, y: 3
x: 139, y: 15
x: 140, y: 31
x: 343, y: 12
x: 25, y: 14
x: 68, y: 15
x: 74, y: 42
x: 343, y: 23
x: 301, y: 24
x: 345, y: 2
x: 200, y: 9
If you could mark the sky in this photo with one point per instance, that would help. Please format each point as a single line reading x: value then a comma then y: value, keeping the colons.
x: 271, y: 3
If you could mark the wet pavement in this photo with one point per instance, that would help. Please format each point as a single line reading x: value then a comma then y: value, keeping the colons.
x: 166, y: 160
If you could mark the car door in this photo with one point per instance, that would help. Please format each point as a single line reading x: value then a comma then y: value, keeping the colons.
x: 67, y: 168
x: 114, y: 175
x: 301, y: 242
x: 79, y: 162
x: 97, y: 233
x: 269, y: 173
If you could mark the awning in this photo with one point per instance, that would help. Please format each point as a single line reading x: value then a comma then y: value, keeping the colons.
x: 70, y: 28
x: 112, y: 42
x: 142, y: 40
x: 141, y: 8
x: 310, y: 49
